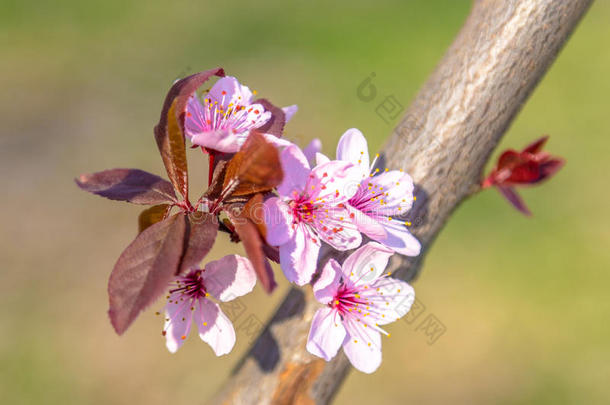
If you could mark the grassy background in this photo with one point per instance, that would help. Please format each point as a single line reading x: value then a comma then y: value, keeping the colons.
x: 524, y: 301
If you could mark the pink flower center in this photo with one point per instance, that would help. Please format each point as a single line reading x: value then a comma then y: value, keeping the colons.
x: 238, y: 117
x: 190, y: 286
x: 303, y: 209
x: 347, y: 300
x: 368, y: 198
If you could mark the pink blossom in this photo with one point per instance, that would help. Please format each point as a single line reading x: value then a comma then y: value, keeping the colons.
x: 311, y: 208
x: 226, y: 116
x: 380, y: 198
x: 224, y: 279
x: 359, y: 299
x: 312, y: 149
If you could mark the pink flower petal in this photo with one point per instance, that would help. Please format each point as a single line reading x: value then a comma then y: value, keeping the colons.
x: 194, y: 122
x: 296, y: 171
x: 321, y: 159
x: 396, y: 301
x: 369, y: 226
x: 278, y: 220
x: 362, y: 346
x: 278, y: 142
x: 352, y: 147
x: 256, y: 116
x: 326, y: 334
x: 326, y: 286
x: 310, y: 150
x: 178, y: 326
x: 221, y: 140
x: 367, y: 263
x: 228, y: 90
x: 398, y: 192
x: 334, y: 182
x: 399, y: 238
x: 214, y: 327
x: 289, y: 111
x: 299, y: 256
x: 230, y: 277
x: 334, y: 227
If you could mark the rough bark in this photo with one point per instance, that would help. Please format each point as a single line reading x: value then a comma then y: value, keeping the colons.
x: 443, y: 141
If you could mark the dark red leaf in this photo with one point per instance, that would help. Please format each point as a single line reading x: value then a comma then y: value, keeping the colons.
x: 272, y: 252
x: 200, y: 236
x: 215, y: 188
x: 171, y: 144
x: 524, y: 173
x: 529, y: 167
x: 550, y: 167
x: 253, y: 244
x: 169, y: 132
x: 537, y: 145
x: 254, y: 211
x: 144, y: 270
x: 132, y: 185
x: 508, y: 159
x: 511, y: 195
x: 152, y: 215
x: 275, y: 125
x: 256, y: 166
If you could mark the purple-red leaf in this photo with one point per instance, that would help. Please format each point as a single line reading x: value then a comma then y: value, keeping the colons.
x: 200, y: 236
x: 253, y: 244
x: 132, y: 185
x: 144, y: 270
x: 537, y: 145
x: 515, y: 199
x: 169, y: 132
x: 275, y: 125
x: 256, y: 166
x: 152, y: 215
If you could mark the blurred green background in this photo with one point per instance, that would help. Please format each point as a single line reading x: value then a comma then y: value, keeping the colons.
x: 524, y: 301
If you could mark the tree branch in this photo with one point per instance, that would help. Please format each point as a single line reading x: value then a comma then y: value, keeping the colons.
x: 443, y: 141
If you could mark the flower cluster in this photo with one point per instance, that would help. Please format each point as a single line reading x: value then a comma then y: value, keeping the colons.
x: 283, y: 204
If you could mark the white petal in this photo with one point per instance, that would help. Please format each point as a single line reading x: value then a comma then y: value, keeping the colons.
x: 326, y: 334
x: 352, y: 147
x: 214, y: 327
x: 230, y: 277
x: 367, y: 263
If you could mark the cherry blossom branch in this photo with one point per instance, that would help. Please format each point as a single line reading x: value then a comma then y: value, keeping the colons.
x: 443, y: 141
